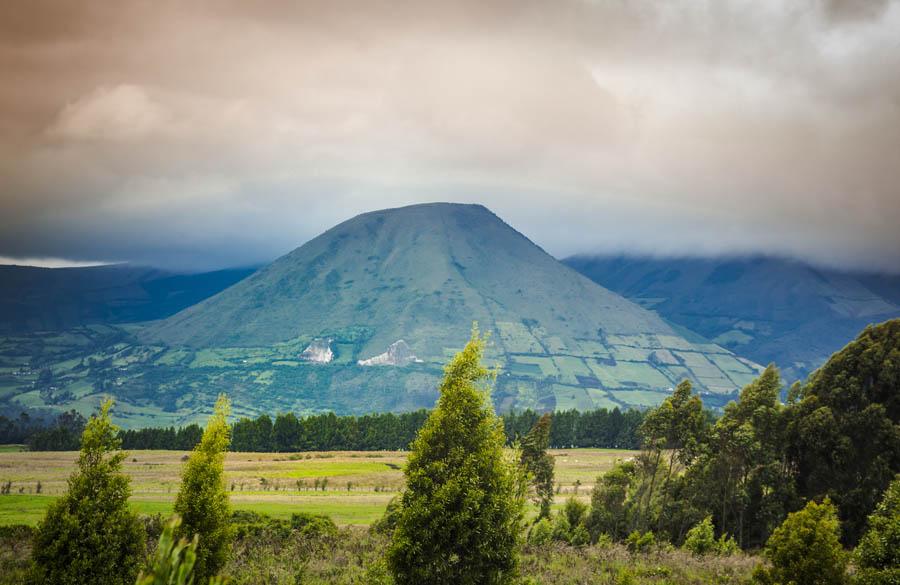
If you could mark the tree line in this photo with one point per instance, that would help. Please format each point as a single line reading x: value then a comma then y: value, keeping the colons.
x: 602, y: 428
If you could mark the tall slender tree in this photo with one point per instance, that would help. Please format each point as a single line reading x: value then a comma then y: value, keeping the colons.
x: 90, y: 536
x: 539, y: 464
x: 202, y: 500
x: 462, y: 509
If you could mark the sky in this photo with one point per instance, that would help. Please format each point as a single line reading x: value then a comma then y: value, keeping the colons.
x: 195, y: 135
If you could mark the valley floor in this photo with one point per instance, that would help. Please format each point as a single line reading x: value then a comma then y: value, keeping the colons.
x: 352, y: 487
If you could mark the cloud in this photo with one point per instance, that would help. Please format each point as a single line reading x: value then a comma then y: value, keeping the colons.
x: 121, y: 113
x: 207, y: 134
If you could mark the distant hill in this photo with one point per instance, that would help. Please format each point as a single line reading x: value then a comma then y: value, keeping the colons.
x: 48, y: 299
x: 765, y: 309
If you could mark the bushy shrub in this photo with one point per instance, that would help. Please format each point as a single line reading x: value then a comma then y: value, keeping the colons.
x: 805, y: 549
x: 562, y: 530
x: 541, y: 532
x: 637, y: 542
x: 727, y: 546
x: 173, y: 562
x: 579, y: 536
x: 878, y: 553
x: 701, y: 538
x: 316, y: 526
x: 248, y: 525
x: 90, y: 535
x: 575, y: 511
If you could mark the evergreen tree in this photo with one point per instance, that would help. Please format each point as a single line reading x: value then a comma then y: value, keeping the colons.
x: 202, y: 500
x: 672, y: 434
x: 844, y: 435
x: 806, y: 549
x: 539, y: 464
x: 747, y: 483
x: 878, y: 553
x: 609, y: 502
x: 462, y: 509
x: 90, y: 536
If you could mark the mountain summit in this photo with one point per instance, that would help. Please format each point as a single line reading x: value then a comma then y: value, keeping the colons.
x: 422, y: 274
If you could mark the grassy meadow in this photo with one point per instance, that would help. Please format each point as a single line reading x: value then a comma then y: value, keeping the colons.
x: 357, y: 484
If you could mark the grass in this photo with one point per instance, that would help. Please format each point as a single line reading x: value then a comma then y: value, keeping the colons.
x: 263, y: 482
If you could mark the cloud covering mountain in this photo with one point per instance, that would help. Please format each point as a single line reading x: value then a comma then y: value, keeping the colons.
x: 211, y: 134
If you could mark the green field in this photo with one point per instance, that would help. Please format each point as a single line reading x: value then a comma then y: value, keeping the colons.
x: 359, y: 484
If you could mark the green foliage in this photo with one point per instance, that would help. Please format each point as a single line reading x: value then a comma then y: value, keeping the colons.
x: 726, y: 545
x: 538, y: 464
x: 202, y: 500
x: 579, y: 536
x: 317, y: 526
x: 541, y: 532
x: 462, y: 509
x: 701, y: 538
x: 562, y: 530
x: 744, y: 479
x: 805, y: 549
x: 89, y: 535
x: 174, y: 559
x: 575, y: 511
x: 843, y: 437
x: 640, y: 542
x: 673, y: 434
x: 609, y: 511
x: 878, y: 553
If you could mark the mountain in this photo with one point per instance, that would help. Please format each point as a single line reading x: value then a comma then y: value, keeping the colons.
x: 421, y: 275
x: 363, y: 318
x: 765, y: 309
x: 47, y: 299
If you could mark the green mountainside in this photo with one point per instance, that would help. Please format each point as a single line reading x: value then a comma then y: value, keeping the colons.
x: 765, y: 309
x: 363, y: 317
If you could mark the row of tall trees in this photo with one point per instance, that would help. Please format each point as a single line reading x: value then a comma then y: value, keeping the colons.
x: 602, y: 428
x: 838, y: 437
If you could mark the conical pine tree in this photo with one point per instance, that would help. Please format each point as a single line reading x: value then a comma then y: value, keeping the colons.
x: 462, y: 509
x: 90, y: 536
x: 202, y: 501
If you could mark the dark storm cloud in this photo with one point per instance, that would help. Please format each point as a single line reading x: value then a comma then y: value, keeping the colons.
x: 217, y: 133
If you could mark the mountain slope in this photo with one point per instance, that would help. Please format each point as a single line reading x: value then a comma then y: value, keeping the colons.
x: 422, y: 274
x: 767, y: 309
x: 363, y: 318
x: 46, y: 299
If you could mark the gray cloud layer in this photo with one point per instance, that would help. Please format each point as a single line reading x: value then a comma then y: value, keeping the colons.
x: 217, y: 133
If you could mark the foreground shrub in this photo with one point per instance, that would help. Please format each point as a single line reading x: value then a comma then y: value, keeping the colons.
x: 541, y: 532
x: 90, y: 536
x: 806, y: 549
x: 173, y: 562
x: 462, y: 509
x: 638, y: 542
x: 313, y: 525
x: 202, y: 500
x: 878, y: 553
x: 701, y: 539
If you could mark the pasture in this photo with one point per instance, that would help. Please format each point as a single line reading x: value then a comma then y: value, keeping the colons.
x: 353, y: 487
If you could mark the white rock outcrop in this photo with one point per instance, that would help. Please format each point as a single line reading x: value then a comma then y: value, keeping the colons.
x: 398, y: 354
x: 319, y: 351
